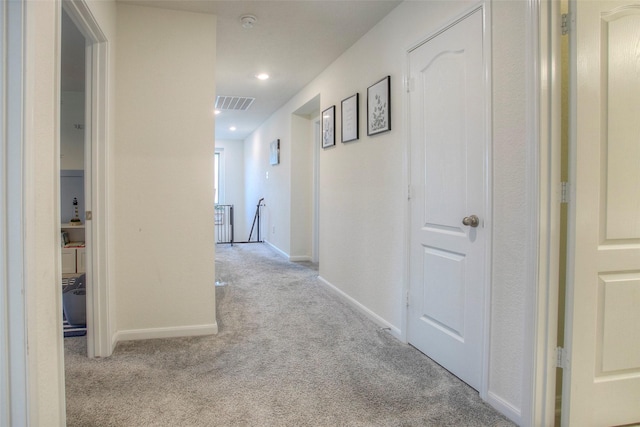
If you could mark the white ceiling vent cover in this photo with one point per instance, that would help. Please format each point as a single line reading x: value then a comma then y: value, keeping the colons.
x: 236, y: 103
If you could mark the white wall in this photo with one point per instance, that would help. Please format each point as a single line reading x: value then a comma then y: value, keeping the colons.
x: 510, y: 167
x: 233, y: 191
x: 71, y: 138
x: 163, y: 167
x: 276, y: 188
x: 363, y: 183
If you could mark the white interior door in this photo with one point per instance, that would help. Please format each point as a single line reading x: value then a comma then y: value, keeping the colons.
x: 602, y: 381
x: 448, y: 185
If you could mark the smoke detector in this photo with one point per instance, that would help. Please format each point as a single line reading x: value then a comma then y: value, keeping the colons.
x: 248, y: 21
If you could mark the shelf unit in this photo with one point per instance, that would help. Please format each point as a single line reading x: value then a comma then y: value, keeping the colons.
x: 73, y: 257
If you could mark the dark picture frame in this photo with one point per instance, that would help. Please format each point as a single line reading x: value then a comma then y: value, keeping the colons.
x: 329, y: 127
x: 349, y: 118
x: 379, y: 107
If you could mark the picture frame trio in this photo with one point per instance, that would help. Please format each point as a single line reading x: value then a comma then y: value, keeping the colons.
x: 378, y: 114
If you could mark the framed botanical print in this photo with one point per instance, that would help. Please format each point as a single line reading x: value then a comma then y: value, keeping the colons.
x: 328, y: 127
x: 379, y: 107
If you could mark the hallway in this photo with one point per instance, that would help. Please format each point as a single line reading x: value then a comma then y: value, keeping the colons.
x: 288, y: 352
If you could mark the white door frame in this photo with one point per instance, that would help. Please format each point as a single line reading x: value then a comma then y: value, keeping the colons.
x: 315, y: 232
x: 544, y: 61
x: 99, y: 336
x: 14, y: 393
x: 485, y: 8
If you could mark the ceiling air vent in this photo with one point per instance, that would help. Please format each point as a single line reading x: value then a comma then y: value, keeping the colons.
x: 237, y: 103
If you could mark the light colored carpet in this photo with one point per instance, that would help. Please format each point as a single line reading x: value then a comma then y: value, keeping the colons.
x: 289, y: 353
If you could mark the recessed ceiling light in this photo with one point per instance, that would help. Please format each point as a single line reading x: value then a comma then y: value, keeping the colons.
x: 232, y: 128
x: 262, y: 76
x: 216, y: 112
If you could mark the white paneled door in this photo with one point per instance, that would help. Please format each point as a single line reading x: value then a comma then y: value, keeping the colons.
x: 602, y: 378
x: 448, y: 198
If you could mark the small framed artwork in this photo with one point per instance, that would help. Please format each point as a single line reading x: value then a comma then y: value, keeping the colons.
x: 349, y: 118
x: 274, y: 152
x: 328, y: 127
x: 379, y: 107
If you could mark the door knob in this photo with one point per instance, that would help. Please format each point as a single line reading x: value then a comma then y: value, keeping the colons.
x: 472, y: 221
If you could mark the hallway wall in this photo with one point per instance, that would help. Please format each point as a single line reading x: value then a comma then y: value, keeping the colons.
x: 363, y: 183
x: 163, y: 173
x: 273, y: 182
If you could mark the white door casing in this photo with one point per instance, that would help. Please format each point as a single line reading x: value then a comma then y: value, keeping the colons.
x: 448, y: 179
x: 602, y: 379
x: 99, y: 328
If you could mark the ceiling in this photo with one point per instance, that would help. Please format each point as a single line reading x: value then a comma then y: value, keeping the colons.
x: 293, y: 41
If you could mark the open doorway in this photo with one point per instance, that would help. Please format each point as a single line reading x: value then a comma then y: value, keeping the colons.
x: 94, y: 65
x: 72, y: 178
x: 305, y: 143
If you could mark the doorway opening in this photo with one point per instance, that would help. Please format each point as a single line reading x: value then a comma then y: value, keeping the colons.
x: 304, y: 182
x: 73, y: 191
x: 94, y: 66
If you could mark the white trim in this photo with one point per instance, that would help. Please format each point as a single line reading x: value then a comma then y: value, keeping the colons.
x: 277, y: 249
x: 539, y: 393
x: 315, y: 233
x: 221, y: 175
x: 485, y: 8
x: 99, y: 341
x: 532, y: 190
x: 488, y: 223
x: 14, y: 375
x: 299, y: 258
x: 571, y: 216
x: 361, y: 308
x: 171, y: 332
x: 40, y: 250
x: 406, y: 185
x: 504, y: 407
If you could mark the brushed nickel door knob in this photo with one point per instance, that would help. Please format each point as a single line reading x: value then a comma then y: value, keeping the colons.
x: 472, y: 221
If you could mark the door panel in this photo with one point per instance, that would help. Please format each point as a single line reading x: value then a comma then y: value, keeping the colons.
x: 443, y: 298
x: 448, y: 181
x: 602, y: 382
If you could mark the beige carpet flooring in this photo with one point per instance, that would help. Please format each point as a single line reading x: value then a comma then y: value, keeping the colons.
x: 289, y: 353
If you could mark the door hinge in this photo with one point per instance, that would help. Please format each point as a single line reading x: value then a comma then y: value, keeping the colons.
x: 409, y: 192
x: 408, y: 84
x: 88, y: 215
x: 406, y: 298
x: 561, y: 358
x: 566, y: 23
x: 564, y: 192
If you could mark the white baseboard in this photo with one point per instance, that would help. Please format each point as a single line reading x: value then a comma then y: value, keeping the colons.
x: 361, y: 308
x: 299, y: 258
x: 171, y: 332
x: 292, y: 258
x: 277, y: 249
x: 504, y: 407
